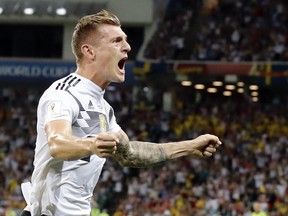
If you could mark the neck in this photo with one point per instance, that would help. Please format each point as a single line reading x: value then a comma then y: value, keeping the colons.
x: 94, y: 77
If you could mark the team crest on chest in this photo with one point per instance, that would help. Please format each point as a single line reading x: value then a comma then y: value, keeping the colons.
x: 103, y: 123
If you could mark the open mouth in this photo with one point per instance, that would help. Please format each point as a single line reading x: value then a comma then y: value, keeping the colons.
x: 121, y: 63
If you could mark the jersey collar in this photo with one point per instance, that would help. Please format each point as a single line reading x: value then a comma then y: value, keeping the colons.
x: 90, y: 86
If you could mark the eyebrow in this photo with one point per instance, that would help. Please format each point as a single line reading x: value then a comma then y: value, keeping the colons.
x: 121, y: 36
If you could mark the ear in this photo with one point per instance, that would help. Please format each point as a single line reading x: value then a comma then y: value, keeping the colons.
x: 88, y: 51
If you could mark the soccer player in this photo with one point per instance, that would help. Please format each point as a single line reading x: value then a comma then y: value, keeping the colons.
x: 77, y: 129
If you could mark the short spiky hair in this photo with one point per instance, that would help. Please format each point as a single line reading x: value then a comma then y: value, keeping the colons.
x: 88, y: 24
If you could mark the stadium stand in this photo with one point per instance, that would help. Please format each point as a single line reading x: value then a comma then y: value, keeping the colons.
x: 249, y: 170
x: 231, y: 31
x: 251, y: 166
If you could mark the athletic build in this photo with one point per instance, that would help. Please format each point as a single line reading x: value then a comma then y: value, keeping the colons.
x: 77, y: 128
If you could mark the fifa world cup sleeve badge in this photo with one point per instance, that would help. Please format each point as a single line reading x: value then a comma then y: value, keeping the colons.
x: 54, y: 109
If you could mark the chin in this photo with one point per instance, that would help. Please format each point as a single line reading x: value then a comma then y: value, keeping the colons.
x: 119, y: 80
x: 122, y: 80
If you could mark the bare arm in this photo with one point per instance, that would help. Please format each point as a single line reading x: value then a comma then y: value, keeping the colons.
x: 145, y: 154
x: 63, y: 145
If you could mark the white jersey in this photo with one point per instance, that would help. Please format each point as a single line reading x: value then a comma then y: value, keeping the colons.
x: 65, y: 188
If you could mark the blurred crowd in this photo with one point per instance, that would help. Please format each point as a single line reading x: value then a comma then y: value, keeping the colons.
x: 248, y: 172
x: 17, y: 142
x: 247, y: 176
x: 241, y: 30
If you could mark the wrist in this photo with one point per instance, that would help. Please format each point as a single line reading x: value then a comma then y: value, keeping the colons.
x: 181, y: 149
x: 91, y: 139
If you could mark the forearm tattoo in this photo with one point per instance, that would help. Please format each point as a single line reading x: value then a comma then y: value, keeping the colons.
x: 139, y: 154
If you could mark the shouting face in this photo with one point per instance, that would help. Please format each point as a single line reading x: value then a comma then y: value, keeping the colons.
x: 111, y: 52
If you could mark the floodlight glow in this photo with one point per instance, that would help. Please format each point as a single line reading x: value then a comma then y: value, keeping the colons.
x: 199, y: 86
x: 240, y: 90
x: 227, y: 93
x: 253, y: 87
x: 240, y: 84
x: 61, y: 11
x: 254, y: 93
x: 230, y: 87
x: 186, y: 83
x: 212, y: 90
x: 217, y: 83
x: 28, y: 11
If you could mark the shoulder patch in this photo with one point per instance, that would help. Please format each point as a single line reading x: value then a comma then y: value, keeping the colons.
x: 54, y: 108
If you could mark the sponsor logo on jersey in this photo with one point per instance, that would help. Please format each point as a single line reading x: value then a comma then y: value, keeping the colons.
x: 90, y: 105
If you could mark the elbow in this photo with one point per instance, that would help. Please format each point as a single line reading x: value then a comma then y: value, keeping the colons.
x: 131, y: 163
x: 122, y: 164
x: 134, y: 165
x: 125, y: 164
x: 54, y: 147
x: 53, y: 152
x: 121, y: 161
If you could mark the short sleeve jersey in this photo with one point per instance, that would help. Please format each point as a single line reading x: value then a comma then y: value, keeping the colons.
x: 65, y: 188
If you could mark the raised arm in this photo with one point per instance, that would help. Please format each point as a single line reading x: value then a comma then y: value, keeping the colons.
x: 145, y: 154
x: 64, y: 146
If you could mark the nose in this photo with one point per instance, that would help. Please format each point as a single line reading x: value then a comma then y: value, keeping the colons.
x: 127, y: 47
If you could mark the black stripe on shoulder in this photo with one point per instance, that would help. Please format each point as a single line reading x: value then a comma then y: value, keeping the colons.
x: 62, y: 86
x: 71, y: 80
x: 58, y: 86
x: 67, y: 78
x: 76, y: 82
x: 67, y: 83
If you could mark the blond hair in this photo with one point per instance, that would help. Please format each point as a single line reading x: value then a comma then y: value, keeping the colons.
x: 88, y: 24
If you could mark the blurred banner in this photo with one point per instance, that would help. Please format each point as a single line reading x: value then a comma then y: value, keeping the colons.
x: 49, y: 70
x: 214, y: 68
x: 31, y: 70
x: 34, y: 71
x: 266, y: 72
